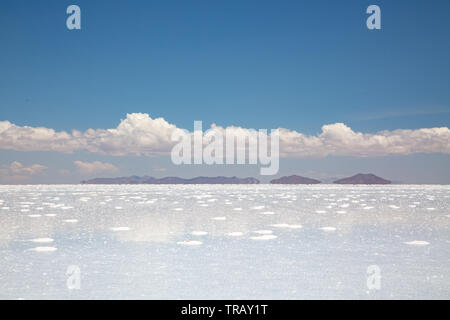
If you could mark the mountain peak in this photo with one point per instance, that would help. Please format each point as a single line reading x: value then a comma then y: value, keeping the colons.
x: 363, y: 178
x: 172, y: 180
x: 294, y: 179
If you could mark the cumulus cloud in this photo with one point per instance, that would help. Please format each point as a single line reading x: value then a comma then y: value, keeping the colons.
x: 26, y: 138
x: 339, y: 139
x: 95, y: 167
x: 139, y: 134
x: 17, y: 172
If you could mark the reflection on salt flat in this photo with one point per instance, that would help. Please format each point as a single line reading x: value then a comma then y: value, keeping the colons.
x: 222, y: 241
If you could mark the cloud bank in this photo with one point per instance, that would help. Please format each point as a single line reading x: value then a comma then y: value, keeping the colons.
x: 139, y: 134
x: 17, y: 172
x: 94, y: 167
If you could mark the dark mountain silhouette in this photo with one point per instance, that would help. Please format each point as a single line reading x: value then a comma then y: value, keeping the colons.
x: 171, y: 180
x: 294, y: 179
x: 362, y: 178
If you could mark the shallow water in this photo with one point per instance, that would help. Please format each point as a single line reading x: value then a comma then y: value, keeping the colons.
x: 224, y: 242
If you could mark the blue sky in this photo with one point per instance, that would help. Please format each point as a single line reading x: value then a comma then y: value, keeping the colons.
x: 258, y: 64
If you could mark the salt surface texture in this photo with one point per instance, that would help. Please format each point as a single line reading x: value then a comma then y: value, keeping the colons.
x: 285, y: 242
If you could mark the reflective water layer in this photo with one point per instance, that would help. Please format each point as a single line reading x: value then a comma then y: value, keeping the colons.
x: 224, y: 242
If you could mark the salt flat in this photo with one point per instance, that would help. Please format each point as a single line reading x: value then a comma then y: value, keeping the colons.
x: 189, y: 241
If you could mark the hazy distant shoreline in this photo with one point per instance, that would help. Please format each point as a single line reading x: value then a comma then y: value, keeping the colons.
x: 360, y: 178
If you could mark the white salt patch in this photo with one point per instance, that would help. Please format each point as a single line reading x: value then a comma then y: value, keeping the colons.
x: 417, y: 243
x: 320, y: 211
x: 258, y: 207
x: 267, y: 212
x: 341, y: 211
x: 235, y: 234
x: 118, y: 208
x: 120, y: 229
x: 328, y: 229
x: 368, y: 208
x: 394, y: 207
x: 431, y: 209
x: 50, y: 215
x: 40, y: 208
x: 44, y: 249
x: 263, y: 231
x: 42, y: 240
x: 5, y: 208
x: 220, y: 218
x: 190, y: 243
x: 178, y: 209
x: 66, y: 208
x: 25, y: 210
x: 288, y: 226
x: 71, y: 220
x: 264, y: 237
x: 34, y: 215
x: 346, y: 205
x: 204, y: 205
x: 199, y: 233
x: 237, y: 209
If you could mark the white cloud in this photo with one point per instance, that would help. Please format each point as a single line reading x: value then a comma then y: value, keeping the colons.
x: 17, y: 172
x: 35, y: 139
x: 95, y: 167
x: 139, y: 134
x: 339, y: 139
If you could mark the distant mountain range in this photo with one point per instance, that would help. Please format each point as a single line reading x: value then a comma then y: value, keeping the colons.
x: 294, y: 179
x: 172, y: 180
x: 360, y: 178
